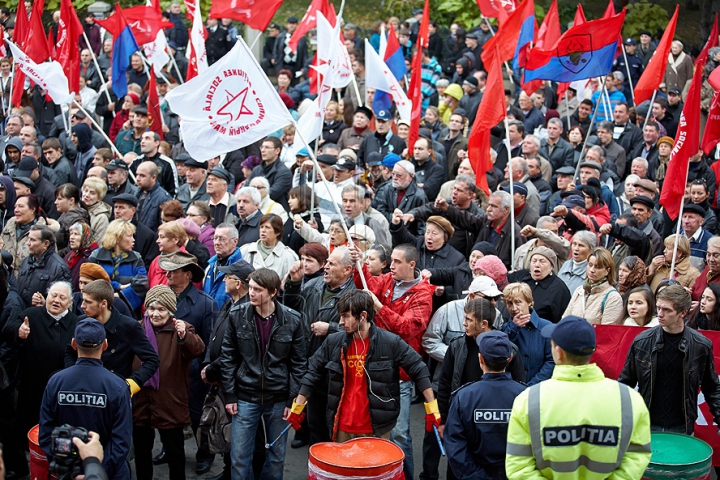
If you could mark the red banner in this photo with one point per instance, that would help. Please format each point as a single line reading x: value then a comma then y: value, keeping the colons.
x: 613, y: 343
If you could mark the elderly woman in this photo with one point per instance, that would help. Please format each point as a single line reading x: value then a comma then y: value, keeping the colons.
x: 267, y: 204
x: 639, y: 309
x: 700, y: 195
x: 269, y: 251
x: 551, y: 294
x: 199, y: 212
x: 659, y: 269
x: 81, y: 244
x: 525, y: 331
x: 124, y: 266
x: 573, y: 272
x: 335, y: 236
x: 163, y: 401
x: 170, y: 211
x: 68, y: 204
x: 17, y: 230
x: 41, y: 335
x: 362, y: 237
x: 93, y: 191
x: 489, y: 266
x: 631, y: 274
x: 171, y: 238
x: 597, y: 300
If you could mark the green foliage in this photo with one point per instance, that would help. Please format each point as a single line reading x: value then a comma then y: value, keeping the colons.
x: 567, y: 13
x: 465, y: 12
x: 644, y: 16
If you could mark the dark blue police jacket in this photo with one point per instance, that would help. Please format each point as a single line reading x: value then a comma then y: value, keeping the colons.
x: 88, y: 395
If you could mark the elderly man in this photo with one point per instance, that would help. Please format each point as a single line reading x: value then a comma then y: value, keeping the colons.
x: 402, y: 193
x: 531, y: 148
x: 41, y: 267
x: 544, y: 189
x: 554, y: 148
x: 130, y: 140
x: 117, y: 179
x: 493, y: 227
x: 608, y: 176
x: 267, y: 205
x: 125, y: 208
x: 524, y: 215
x: 625, y: 133
x: 225, y: 242
x: 199, y: 310
x: 692, y: 227
x: 429, y: 175
x: 545, y: 233
x: 648, y: 149
x: 317, y: 301
x: 221, y: 202
x: 639, y: 167
x: 614, y: 153
x: 194, y: 187
x: 711, y: 272
x: 521, y: 173
x: 679, y: 70
x: 151, y: 196
x: 167, y: 172
x: 248, y: 223
x: 29, y: 167
x: 353, y: 206
x: 594, y: 169
x: 533, y: 117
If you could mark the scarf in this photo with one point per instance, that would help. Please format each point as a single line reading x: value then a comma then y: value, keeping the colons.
x: 23, y: 229
x: 264, y: 250
x: 117, y: 260
x: 712, y: 276
x: 587, y: 286
x: 151, y: 331
x: 86, y: 242
x: 635, y: 278
x: 663, y: 161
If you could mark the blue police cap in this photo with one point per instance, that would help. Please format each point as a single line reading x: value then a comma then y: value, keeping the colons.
x: 573, y: 334
x: 494, y: 346
x: 89, y: 333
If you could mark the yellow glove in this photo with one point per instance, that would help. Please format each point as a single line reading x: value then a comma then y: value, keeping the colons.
x: 296, y: 415
x: 297, y: 408
x: 432, y: 415
x: 134, y: 387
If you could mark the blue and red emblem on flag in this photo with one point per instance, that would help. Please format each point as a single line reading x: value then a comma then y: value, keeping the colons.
x: 585, y: 51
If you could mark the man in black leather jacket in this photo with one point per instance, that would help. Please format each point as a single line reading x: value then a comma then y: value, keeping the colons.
x: 686, y: 361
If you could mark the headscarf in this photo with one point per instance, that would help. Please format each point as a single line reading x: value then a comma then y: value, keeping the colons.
x: 163, y: 295
x: 635, y: 278
x: 84, y: 136
x: 86, y: 242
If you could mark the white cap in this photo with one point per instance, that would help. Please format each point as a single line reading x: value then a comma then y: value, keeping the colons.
x: 485, y: 285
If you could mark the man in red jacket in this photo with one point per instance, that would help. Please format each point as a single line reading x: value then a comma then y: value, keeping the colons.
x: 403, y: 304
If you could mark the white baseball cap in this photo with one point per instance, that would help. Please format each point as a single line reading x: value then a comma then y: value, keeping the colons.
x: 485, y: 285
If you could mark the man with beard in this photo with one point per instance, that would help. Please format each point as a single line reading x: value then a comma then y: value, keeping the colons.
x: 403, y: 193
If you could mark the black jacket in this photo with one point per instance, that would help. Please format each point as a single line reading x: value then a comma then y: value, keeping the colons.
x: 462, y: 240
x: 431, y: 175
x: 382, y: 144
x: 385, y: 200
x: 37, y: 274
x: 386, y: 354
x: 308, y: 300
x: 698, y: 371
x: 550, y: 295
x: 145, y: 243
x: 213, y: 349
x: 126, y: 340
x: 562, y: 155
x: 149, y: 214
x: 218, y: 43
x: 270, y: 378
x: 630, y: 137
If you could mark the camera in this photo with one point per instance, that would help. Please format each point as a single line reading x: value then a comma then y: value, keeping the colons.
x: 65, y: 456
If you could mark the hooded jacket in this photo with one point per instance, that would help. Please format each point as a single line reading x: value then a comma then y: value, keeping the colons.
x: 10, y: 166
x: 8, y: 211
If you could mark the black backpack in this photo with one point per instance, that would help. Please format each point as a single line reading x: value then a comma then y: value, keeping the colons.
x: 214, y: 432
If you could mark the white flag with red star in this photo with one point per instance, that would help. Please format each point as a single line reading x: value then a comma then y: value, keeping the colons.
x: 379, y: 77
x: 48, y: 75
x: 230, y: 105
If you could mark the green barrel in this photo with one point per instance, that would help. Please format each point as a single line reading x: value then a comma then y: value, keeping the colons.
x: 679, y: 457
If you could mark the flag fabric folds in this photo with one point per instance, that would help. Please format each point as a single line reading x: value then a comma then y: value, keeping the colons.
x: 379, y: 77
x: 711, y: 135
x: 36, y: 45
x: 585, y: 51
x: 415, y: 87
x: 655, y: 69
x: 254, y: 13
x: 48, y: 75
x: 228, y: 106
x: 507, y: 37
x: 712, y: 41
x: 329, y: 40
x: 687, y: 140
x: 492, y: 8
x: 549, y: 32
x: 22, y: 25
x: 67, y: 53
x: 197, y: 54
x: 124, y: 45
x: 579, y: 16
x: 392, y: 56
x: 309, y: 20
x: 153, y: 107
x: 491, y: 111
x: 145, y: 22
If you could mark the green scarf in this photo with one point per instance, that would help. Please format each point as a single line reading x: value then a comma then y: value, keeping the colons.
x: 264, y: 250
x: 587, y: 286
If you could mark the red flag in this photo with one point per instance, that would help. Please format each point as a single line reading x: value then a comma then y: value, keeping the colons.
x: 655, y: 70
x: 610, y: 10
x: 254, y: 14
x: 36, y: 44
x: 145, y: 23
x: 687, y: 140
x: 22, y: 25
x: 507, y: 37
x: 415, y: 90
x: 579, y: 16
x: 309, y: 20
x: 153, y: 108
x: 711, y: 136
x: 491, y: 111
x: 3, y: 48
x: 712, y: 41
x: 68, y: 54
x: 189, y: 9
x: 492, y: 8
x: 549, y: 32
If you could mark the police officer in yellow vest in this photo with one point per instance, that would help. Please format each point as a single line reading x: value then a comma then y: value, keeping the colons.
x: 577, y: 424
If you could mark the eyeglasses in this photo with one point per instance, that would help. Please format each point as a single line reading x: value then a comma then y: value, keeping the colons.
x: 221, y: 239
x: 358, y: 239
x: 398, y: 175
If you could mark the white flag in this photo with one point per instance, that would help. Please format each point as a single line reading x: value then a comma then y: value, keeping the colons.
x: 48, y: 75
x: 230, y: 105
x: 156, y: 52
x: 328, y: 37
x: 197, y: 39
x: 379, y: 77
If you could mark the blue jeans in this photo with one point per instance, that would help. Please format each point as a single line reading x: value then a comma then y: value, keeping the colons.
x: 244, y: 428
x: 401, y: 433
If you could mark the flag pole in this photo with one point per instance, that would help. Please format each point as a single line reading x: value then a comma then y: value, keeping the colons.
x: 512, y: 193
x: 677, y: 229
x: 582, y: 152
x: 97, y: 67
x: 112, y: 145
x: 492, y: 32
x: 9, y: 106
x: 647, y: 117
x: 567, y: 108
x: 337, y: 209
x: 357, y: 91
x: 177, y: 69
x: 627, y: 68
x: 150, y: 68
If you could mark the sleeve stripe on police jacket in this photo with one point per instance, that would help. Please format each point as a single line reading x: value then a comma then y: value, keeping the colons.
x: 575, y: 432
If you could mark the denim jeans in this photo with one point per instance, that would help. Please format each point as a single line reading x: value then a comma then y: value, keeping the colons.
x: 244, y: 427
x: 401, y: 433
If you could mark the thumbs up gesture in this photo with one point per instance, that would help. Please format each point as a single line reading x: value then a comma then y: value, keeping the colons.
x: 24, y: 330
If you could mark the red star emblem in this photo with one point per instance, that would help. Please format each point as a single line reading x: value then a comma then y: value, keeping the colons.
x: 230, y: 104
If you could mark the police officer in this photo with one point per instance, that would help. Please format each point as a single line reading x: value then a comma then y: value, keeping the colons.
x: 634, y: 66
x: 89, y: 396
x: 578, y: 422
x: 476, y: 427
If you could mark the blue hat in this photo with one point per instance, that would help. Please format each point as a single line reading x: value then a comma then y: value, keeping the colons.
x: 518, y: 187
x: 573, y: 334
x: 89, y: 333
x: 494, y: 346
x: 303, y: 152
x: 390, y: 160
x: 383, y: 115
x: 574, y: 201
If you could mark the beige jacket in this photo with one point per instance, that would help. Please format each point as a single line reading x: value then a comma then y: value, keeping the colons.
x: 590, y: 306
x: 99, y: 219
x: 17, y: 247
x: 685, y: 274
x: 280, y: 260
x: 558, y: 244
